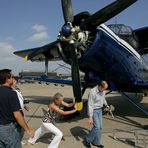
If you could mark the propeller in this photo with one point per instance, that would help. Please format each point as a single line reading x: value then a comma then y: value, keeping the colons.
x: 67, y: 30
x: 76, y: 77
x: 67, y: 10
x: 93, y: 21
x: 105, y: 14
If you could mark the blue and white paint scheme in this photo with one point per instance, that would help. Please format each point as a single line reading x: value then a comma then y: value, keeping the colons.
x: 114, y: 53
x: 115, y: 60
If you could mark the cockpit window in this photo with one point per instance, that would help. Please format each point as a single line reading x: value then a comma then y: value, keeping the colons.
x: 114, y: 29
x: 120, y: 29
x: 126, y: 33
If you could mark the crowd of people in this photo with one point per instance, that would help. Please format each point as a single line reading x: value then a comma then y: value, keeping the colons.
x: 13, y: 124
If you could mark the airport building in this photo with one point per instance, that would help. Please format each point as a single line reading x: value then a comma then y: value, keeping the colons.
x: 29, y: 73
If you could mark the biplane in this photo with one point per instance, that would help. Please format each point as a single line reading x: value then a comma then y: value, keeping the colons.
x: 102, y: 52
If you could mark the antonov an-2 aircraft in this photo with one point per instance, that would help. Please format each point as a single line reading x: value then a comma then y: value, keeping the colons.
x: 112, y: 53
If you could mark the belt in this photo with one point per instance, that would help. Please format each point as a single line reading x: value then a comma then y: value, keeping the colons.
x: 97, y: 108
x: 11, y: 123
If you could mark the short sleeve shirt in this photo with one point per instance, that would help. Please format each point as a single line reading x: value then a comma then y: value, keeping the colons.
x: 9, y: 103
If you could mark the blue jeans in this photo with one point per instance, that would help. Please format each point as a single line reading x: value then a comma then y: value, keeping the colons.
x: 10, y: 136
x: 94, y: 136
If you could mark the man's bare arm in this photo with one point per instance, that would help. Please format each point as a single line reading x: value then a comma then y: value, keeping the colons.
x: 21, y: 121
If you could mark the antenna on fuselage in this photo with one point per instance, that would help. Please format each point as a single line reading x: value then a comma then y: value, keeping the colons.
x: 116, y: 24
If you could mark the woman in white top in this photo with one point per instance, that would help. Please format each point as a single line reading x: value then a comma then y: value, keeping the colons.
x: 19, y: 94
x: 21, y: 100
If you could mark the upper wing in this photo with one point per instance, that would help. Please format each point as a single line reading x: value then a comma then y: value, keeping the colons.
x: 48, y: 51
x: 142, y: 34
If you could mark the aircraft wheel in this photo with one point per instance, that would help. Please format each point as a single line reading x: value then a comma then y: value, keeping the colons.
x: 139, y: 97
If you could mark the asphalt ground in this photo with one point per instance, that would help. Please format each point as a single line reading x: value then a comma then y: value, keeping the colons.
x: 127, y: 124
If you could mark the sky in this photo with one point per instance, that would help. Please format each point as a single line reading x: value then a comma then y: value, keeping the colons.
x: 27, y: 24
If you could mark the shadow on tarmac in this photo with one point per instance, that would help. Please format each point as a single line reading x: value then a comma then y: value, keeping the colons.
x: 79, y: 132
x: 127, y: 141
x: 123, y: 110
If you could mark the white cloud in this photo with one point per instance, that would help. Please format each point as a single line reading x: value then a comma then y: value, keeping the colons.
x: 6, y: 49
x: 39, y: 28
x: 38, y: 36
x: 13, y: 62
x: 7, y: 58
x: 10, y: 39
x: 17, y: 64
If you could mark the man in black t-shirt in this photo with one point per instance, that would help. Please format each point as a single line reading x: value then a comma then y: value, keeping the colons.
x: 11, y: 119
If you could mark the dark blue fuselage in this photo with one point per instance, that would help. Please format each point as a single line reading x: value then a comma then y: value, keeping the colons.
x: 111, y: 59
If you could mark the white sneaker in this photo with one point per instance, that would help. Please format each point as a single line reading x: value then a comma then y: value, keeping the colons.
x: 23, y: 143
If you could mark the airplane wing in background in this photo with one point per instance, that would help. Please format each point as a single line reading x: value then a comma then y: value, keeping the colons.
x: 51, y: 80
x: 39, y: 54
x: 142, y: 34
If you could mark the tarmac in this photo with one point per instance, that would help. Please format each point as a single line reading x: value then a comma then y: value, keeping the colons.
x: 126, y: 130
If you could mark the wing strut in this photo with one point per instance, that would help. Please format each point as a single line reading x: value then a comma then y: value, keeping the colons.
x: 46, y: 67
x: 134, y: 103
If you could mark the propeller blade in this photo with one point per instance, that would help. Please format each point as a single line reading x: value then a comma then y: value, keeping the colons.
x: 42, y: 49
x: 106, y: 13
x: 76, y: 78
x: 67, y: 10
